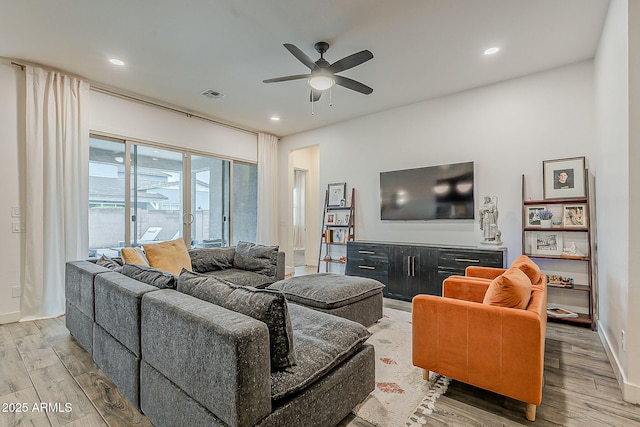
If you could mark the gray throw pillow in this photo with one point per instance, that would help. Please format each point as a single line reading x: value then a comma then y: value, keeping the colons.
x: 257, y: 258
x: 109, y: 263
x: 204, y: 260
x: 150, y: 276
x: 264, y: 305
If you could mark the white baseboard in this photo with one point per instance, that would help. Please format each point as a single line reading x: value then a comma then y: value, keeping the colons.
x: 9, y: 317
x: 630, y: 392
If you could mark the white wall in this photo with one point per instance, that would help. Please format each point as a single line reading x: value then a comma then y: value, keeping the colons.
x: 110, y: 115
x: 617, y: 195
x: 120, y: 117
x: 12, y: 83
x: 507, y: 129
x: 632, y: 390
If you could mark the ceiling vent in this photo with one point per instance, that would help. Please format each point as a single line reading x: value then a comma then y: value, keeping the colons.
x: 210, y: 93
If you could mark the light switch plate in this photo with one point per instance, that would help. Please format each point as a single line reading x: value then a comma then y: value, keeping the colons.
x: 16, y: 212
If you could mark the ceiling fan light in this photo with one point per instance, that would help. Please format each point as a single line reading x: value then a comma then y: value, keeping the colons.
x: 321, y: 82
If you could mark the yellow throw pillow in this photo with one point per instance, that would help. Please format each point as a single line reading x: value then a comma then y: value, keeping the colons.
x: 171, y: 256
x: 511, y: 289
x: 133, y: 256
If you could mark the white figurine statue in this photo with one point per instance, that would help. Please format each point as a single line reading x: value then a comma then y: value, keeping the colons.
x: 572, y: 250
x: 489, y: 221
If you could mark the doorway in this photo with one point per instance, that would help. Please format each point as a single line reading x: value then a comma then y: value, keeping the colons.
x: 299, y: 216
x: 304, y: 211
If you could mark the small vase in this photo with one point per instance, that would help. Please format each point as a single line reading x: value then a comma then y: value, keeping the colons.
x: 545, y: 223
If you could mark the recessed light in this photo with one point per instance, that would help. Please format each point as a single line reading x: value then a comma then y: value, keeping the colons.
x: 116, y: 61
x: 492, y: 51
x: 154, y: 158
x: 275, y: 119
x: 156, y: 151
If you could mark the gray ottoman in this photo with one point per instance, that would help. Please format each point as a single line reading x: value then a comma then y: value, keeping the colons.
x: 350, y: 297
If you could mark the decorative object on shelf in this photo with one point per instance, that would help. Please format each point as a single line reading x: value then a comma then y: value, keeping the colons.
x: 545, y: 218
x: 489, y: 221
x: 559, y: 281
x: 574, y: 215
x: 572, y: 251
x: 546, y: 243
x: 560, y: 313
x: 564, y: 178
x: 533, y: 215
x: 336, y: 194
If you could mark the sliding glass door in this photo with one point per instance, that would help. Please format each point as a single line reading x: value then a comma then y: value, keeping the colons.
x: 245, y: 202
x: 156, y: 194
x: 210, y: 202
x: 142, y: 193
x: 107, y: 196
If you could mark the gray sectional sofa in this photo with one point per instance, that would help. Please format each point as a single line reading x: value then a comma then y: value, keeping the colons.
x: 185, y: 360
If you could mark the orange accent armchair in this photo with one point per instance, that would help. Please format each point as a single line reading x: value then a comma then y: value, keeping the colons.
x: 495, y: 348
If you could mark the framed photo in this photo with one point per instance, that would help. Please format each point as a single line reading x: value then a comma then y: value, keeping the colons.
x: 331, y: 217
x: 336, y: 194
x: 574, y: 215
x: 564, y: 178
x: 546, y: 243
x: 533, y: 220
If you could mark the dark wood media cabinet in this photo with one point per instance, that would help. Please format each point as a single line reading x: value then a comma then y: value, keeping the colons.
x: 411, y: 269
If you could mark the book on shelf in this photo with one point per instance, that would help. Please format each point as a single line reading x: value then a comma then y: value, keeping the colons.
x: 560, y: 313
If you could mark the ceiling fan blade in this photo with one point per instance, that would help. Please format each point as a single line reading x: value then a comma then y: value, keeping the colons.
x: 351, y: 61
x: 315, y: 95
x: 287, y: 78
x: 301, y: 56
x: 353, y: 85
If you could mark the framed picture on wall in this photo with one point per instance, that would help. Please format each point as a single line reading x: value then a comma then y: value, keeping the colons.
x: 564, y: 178
x: 546, y: 243
x: 533, y: 219
x: 574, y: 216
x: 336, y: 194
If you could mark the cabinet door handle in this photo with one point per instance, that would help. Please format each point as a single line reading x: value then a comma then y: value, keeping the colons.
x: 366, y: 267
x: 367, y: 252
x: 408, y: 266
x: 413, y: 266
x: 466, y: 260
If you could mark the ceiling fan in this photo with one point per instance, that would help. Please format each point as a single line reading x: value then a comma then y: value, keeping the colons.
x: 323, y: 74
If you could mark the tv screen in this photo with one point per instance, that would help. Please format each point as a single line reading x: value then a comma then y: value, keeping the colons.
x: 434, y: 192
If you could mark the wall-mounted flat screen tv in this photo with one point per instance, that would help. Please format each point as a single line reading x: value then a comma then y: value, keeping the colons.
x: 434, y: 192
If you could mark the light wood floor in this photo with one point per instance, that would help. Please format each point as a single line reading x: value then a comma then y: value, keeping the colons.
x: 41, y: 363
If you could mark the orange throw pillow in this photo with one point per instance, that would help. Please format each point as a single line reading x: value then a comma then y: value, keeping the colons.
x: 171, y: 256
x: 133, y: 256
x: 528, y: 267
x: 511, y: 289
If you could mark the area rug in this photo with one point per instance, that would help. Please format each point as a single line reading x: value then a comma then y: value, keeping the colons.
x: 401, y: 396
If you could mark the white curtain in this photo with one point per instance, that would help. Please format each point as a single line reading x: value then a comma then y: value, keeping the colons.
x: 57, y: 181
x: 267, y: 233
x: 299, y: 197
